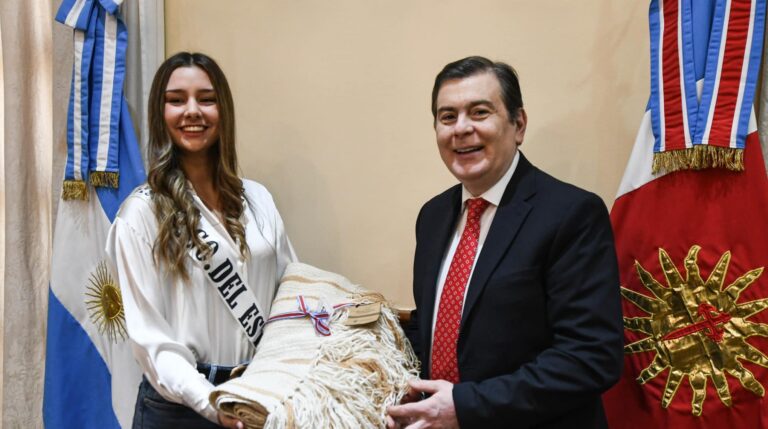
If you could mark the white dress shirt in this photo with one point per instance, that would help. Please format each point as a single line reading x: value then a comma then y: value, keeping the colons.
x: 493, y: 196
x: 173, y: 323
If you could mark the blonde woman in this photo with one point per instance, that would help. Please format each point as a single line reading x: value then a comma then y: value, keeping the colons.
x: 198, y: 250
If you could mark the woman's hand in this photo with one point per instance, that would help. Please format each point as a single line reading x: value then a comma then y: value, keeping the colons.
x: 230, y: 422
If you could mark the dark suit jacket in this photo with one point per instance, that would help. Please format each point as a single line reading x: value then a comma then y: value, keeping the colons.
x: 541, y: 330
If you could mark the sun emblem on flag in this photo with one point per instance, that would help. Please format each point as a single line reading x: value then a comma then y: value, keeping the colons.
x: 105, y: 304
x: 697, y: 328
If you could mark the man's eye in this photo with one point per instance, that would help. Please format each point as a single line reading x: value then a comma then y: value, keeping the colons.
x: 481, y: 113
x: 447, y: 118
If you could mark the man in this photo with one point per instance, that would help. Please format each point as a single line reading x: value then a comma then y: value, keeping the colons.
x: 518, y: 320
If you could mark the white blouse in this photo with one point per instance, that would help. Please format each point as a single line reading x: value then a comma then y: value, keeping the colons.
x: 174, y: 324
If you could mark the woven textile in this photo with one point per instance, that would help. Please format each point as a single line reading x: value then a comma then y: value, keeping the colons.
x: 301, y: 379
x: 444, y: 361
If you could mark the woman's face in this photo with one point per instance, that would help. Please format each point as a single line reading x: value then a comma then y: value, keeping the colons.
x: 191, y: 111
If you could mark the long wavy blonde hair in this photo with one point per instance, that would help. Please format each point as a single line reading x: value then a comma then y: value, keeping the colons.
x: 176, y: 214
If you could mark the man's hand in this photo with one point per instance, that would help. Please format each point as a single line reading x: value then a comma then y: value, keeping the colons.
x: 230, y: 422
x: 436, y: 412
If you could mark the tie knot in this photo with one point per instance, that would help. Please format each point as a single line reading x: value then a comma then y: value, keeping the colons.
x: 476, y: 207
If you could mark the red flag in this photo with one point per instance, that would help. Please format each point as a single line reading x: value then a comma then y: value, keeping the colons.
x: 685, y: 240
x: 692, y: 247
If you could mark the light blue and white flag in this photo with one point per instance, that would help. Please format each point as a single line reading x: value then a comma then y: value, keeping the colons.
x: 91, y: 377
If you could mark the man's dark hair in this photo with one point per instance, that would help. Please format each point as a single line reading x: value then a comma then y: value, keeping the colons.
x: 470, y: 66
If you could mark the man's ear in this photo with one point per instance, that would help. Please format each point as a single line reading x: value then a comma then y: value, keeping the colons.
x: 520, y: 122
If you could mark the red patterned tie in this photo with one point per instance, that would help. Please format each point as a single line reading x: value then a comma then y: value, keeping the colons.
x: 444, y: 361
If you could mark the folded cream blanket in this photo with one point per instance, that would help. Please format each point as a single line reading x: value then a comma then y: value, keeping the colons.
x: 319, y: 364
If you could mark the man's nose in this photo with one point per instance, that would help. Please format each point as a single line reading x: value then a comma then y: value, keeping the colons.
x: 463, y: 126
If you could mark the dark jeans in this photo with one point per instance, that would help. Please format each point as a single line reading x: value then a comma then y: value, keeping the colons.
x: 154, y: 412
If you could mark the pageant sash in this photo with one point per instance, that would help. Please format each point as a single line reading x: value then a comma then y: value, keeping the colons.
x: 222, y: 272
x: 693, y: 129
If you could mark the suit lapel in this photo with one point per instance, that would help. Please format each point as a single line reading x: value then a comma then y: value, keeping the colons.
x: 509, y: 216
x: 436, y: 237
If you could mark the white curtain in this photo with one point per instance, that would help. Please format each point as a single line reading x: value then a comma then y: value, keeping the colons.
x: 2, y: 205
x: 26, y: 181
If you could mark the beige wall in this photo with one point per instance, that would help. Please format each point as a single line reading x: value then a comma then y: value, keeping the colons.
x: 332, y: 100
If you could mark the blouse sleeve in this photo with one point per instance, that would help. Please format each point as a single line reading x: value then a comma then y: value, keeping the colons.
x: 262, y: 199
x: 169, y: 365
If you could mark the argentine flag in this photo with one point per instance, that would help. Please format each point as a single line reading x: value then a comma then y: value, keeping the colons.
x: 91, y: 377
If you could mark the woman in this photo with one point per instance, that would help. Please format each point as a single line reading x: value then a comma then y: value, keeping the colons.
x: 198, y: 250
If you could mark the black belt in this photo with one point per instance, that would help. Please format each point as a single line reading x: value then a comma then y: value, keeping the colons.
x: 216, y: 374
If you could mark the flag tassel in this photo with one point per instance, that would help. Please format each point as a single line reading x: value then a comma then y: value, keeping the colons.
x: 75, y: 190
x: 105, y: 179
x: 697, y: 158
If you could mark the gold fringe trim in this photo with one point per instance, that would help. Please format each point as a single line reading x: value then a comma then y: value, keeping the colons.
x: 105, y: 179
x: 75, y: 190
x: 697, y: 158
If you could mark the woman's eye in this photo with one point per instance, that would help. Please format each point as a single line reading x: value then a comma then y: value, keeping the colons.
x: 208, y: 100
x: 174, y: 101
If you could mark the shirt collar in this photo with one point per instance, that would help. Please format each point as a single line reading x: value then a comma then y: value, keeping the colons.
x: 494, y: 194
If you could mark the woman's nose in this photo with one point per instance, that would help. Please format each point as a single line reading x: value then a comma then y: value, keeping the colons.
x: 193, y: 109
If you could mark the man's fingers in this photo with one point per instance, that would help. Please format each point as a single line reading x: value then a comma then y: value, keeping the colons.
x: 397, y: 411
x: 402, y: 415
x: 391, y: 422
x: 417, y: 424
x: 411, y: 395
x: 427, y: 386
x: 405, y: 411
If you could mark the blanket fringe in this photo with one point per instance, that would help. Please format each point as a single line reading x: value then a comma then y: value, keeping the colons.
x: 351, y: 382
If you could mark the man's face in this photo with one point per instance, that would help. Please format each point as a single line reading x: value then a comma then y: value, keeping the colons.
x: 476, y: 140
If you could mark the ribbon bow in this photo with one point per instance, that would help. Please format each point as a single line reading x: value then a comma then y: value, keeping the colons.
x: 320, y: 317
